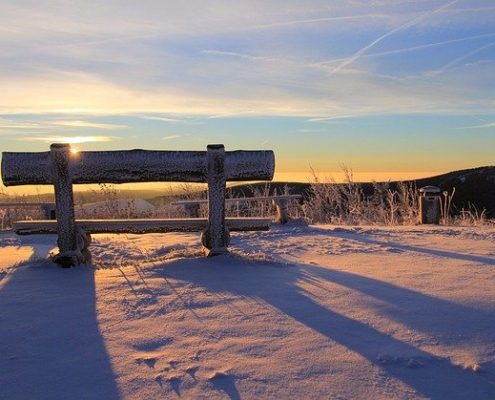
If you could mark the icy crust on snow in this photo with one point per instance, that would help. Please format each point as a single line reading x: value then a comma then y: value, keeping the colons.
x: 297, y: 312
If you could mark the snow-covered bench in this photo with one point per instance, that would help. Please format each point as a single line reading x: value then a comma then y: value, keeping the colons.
x: 281, y: 203
x: 62, y: 168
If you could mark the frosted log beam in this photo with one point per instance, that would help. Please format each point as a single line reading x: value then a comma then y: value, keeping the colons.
x: 127, y: 166
x: 216, y: 236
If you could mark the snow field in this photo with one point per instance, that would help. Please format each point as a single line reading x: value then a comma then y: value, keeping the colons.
x: 296, y: 312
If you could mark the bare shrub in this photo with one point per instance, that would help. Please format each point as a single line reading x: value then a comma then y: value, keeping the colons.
x: 346, y: 203
x: 184, y: 191
x: 21, y: 211
x: 259, y: 204
x: 446, y: 206
x: 471, y: 217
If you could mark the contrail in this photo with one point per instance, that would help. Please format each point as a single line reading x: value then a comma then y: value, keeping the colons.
x: 414, y: 48
x: 317, y: 20
x: 235, y: 54
x: 413, y: 22
x: 457, y: 60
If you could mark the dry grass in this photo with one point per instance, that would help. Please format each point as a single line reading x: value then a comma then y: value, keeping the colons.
x: 328, y: 203
x: 346, y: 204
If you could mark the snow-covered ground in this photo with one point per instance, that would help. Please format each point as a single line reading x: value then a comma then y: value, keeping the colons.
x: 294, y: 313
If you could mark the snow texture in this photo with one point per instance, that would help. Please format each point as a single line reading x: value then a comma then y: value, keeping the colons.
x: 297, y: 312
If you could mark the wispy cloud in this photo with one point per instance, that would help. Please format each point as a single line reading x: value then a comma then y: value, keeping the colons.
x: 87, y: 124
x: 10, y: 124
x: 50, y: 125
x: 482, y: 126
x: 171, y: 137
x: 162, y: 119
x: 184, y: 119
x: 307, y: 130
x: 148, y: 63
x: 68, y: 139
x: 330, y: 118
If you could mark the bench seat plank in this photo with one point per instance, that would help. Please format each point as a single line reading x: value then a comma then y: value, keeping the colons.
x: 141, y: 225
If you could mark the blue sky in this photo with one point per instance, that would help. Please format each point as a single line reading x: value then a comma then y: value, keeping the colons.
x: 385, y: 87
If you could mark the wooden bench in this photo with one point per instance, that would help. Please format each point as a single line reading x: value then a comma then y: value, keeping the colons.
x: 61, y: 168
x: 281, y: 203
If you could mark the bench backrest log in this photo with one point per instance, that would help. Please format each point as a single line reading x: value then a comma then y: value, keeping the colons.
x: 62, y: 168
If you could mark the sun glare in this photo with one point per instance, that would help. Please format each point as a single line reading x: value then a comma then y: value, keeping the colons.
x: 74, y: 150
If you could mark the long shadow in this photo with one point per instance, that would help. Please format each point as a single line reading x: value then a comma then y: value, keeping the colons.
x: 50, y: 344
x: 430, y: 376
x: 363, y: 238
x: 431, y: 315
x: 421, y: 312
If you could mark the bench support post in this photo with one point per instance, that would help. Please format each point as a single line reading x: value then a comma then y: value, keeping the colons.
x: 64, y: 206
x: 216, y: 236
x: 282, y: 210
x: 192, y: 210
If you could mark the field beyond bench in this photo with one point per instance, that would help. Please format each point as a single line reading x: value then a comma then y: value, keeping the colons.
x: 62, y: 168
x: 281, y: 203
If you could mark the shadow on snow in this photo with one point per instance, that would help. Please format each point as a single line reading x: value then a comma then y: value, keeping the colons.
x: 278, y: 286
x: 50, y: 343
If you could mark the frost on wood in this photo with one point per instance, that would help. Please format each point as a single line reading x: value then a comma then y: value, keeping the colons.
x: 64, y: 199
x: 136, y: 166
x: 216, y: 236
x: 142, y: 225
x: 61, y: 168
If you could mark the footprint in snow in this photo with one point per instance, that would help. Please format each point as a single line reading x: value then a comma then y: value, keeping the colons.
x: 152, y: 345
x: 225, y: 382
x: 192, y: 372
x: 174, y: 382
x: 149, y: 361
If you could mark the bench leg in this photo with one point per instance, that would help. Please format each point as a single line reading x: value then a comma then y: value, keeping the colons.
x: 192, y: 210
x: 216, y: 236
x: 69, y: 254
x: 81, y: 255
x: 282, y: 210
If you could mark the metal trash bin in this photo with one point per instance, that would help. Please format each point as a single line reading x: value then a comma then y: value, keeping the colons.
x: 429, y: 205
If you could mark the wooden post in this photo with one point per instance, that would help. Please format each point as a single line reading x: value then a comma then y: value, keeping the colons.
x: 282, y: 210
x: 192, y: 210
x: 216, y: 236
x: 49, y: 211
x: 64, y: 201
